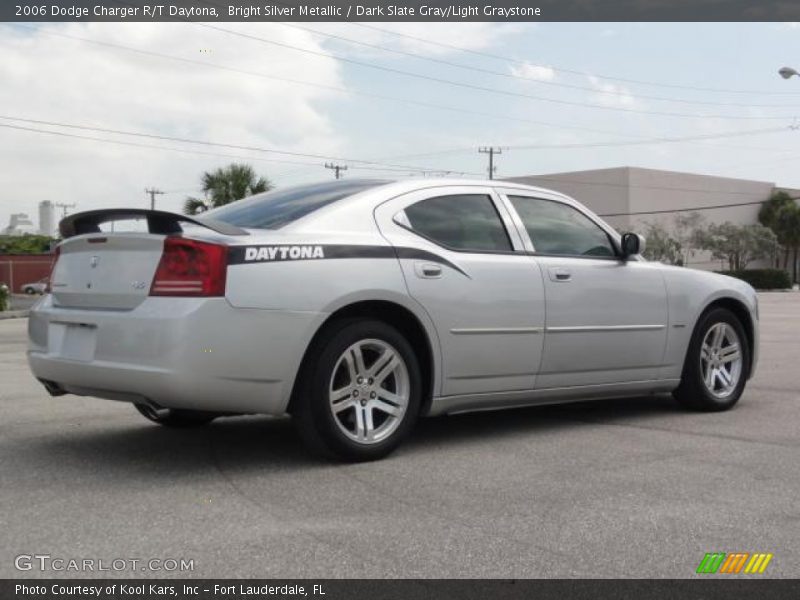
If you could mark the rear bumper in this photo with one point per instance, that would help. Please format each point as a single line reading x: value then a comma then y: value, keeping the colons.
x: 200, y: 354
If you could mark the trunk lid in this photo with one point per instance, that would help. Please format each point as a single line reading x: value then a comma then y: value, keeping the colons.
x: 106, y: 271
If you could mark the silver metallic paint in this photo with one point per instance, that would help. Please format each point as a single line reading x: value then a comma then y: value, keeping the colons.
x: 506, y: 335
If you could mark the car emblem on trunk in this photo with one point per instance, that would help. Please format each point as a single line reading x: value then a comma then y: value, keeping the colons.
x: 93, y: 261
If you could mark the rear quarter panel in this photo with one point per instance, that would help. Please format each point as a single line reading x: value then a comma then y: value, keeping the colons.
x: 369, y: 271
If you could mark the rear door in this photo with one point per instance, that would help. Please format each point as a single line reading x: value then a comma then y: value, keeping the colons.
x: 606, y: 317
x: 464, y: 262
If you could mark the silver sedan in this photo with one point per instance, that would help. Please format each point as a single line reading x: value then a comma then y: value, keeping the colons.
x: 358, y: 306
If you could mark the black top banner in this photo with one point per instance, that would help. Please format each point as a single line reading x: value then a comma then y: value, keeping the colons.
x: 450, y: 11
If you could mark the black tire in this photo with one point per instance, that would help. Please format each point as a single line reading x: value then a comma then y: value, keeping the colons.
x: 692, y: 391
x: 30, y: 291
x: 311, y: 409
x: 171, y: 417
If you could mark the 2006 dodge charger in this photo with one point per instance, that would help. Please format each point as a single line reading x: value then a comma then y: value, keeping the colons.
x: 357, y: 306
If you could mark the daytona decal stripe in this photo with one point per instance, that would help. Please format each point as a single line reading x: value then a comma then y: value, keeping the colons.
x: 240, y: 255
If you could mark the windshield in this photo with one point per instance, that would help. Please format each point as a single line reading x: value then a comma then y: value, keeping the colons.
x: 272, y: 210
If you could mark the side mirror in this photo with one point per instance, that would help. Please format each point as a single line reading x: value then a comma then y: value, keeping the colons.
x: 632, y: 244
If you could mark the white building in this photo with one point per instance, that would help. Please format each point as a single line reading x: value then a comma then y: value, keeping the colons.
x: 19, y: 224
x: 47, y: 218
x: 630, y: 198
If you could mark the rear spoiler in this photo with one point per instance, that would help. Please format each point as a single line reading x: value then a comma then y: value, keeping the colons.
x: 158, y: 221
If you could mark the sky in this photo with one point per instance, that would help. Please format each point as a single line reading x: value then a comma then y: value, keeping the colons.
x: 383, y: 99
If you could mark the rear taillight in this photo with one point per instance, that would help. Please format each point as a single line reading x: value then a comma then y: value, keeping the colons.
x: 56, y: 253
x: 190, y: 268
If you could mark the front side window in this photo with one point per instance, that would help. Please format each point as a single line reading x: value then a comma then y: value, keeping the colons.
x: 465, y: 222
x: 559, y: 229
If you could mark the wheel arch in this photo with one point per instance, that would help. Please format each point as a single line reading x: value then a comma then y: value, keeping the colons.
x: 401, y: 318
x: 740, y: 310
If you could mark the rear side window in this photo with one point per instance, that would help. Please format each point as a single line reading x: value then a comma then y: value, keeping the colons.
x: 559, y: 229
x: 273, y: 210
x: 466, y: 222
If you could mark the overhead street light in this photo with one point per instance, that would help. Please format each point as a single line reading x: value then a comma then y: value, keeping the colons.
x: 787, y: 72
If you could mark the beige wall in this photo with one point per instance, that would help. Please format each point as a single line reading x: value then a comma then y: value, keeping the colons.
x: 605, y: 191
x: 635, y: 190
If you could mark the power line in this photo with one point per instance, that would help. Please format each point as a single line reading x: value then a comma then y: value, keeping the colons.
x: 686, y: 209
x: 342, y: 90
x: 491, y: 151
x: 210, y: 143
x: 538, y: 178
x: 645, y: 141
x: 540, y: 81
x: 337, y: 169
x: 482, y: 88
x: 152, y: 192
x: 694, y: 138
x: 346, y: 91
x: 194, y: 151
x: 571, y: 71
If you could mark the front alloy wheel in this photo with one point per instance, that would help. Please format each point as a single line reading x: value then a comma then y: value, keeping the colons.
x: 359, y: 392
x: 717, y: 363
x: 721, y: 360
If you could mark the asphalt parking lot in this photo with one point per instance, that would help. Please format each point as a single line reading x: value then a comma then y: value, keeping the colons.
x: 624, y: 488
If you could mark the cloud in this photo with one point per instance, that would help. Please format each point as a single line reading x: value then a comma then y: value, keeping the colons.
x: 56, y: 79
x: 611, y: 94
x: 423, y: 38
x: 537, y: 72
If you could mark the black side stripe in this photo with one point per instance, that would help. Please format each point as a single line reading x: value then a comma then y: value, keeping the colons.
x: 416, y: 253
x: 241, y: 255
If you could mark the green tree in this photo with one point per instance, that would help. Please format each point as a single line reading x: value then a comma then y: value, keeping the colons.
x: 661, y: 246
x: 226, y: 185
x: 788, y: 229
x: 738, y: 244
x: 25, y: 244
x: 687, y: 228
x: 772, y: 214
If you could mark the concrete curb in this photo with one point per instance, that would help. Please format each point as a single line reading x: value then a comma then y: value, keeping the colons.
x: 14, y: 314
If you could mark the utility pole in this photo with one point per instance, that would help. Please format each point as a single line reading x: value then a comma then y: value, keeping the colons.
x: 337, y: 169
x: 64, y: 207
x: 491, y: 151
x: 152, y: 192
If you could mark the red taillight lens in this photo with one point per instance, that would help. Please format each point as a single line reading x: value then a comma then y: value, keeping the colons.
x: 56, y: 253
x: 190, y: 268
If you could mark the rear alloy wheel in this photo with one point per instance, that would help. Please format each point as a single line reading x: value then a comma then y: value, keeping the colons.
x: 171, y: 417
x: 717, y: 362
x: 360, y: 394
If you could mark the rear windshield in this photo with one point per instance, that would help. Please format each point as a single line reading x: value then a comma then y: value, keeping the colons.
x: 272, y: 210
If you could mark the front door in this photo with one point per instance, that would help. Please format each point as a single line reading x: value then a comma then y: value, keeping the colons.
x: 464, y: 262
x: 606, y: 317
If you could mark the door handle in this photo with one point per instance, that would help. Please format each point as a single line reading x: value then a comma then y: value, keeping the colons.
x: 427, y: 270
x: 559, y: 274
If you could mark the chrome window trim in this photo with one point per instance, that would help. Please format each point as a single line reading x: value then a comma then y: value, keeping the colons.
x: 505, y: 193
x: 515, y: 241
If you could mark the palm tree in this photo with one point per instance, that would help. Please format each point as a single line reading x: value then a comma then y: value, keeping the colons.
x: 226, y: 185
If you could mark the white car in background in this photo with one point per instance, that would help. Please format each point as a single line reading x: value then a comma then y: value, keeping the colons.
x: 357, y: 306
x: 37, y: 287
